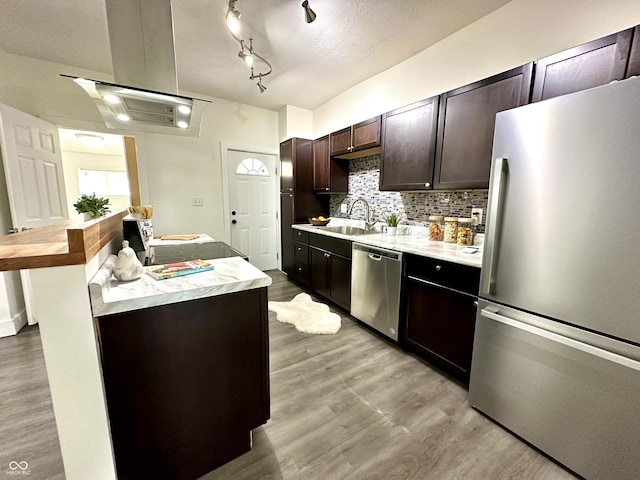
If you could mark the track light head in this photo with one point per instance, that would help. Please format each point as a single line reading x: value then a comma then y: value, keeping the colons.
x: 309, y: 15
x: 233, y: 18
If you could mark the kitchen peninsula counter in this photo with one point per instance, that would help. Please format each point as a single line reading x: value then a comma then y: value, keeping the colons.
x: 229, y: 275
x: 70, y: 242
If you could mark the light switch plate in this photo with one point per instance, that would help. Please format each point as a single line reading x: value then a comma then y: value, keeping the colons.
x: 197, y: 201
x: 343, y: 208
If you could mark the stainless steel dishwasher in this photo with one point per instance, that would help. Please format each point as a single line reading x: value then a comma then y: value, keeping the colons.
x: 375, y: 287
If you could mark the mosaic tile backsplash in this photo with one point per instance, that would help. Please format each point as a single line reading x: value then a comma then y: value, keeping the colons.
x: 364, y: 176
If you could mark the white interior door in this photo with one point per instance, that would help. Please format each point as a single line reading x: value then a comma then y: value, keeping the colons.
x: 35, y: 181
x: 252, y: 206
x: 33, y: 169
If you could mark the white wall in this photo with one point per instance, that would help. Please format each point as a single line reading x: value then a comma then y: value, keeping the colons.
x: 295, y: 122
x: 519, y: 32
x: 179, y: 168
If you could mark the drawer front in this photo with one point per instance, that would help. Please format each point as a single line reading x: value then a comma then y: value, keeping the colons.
x: 300, y: 236
x: 301, y: 252
x: 301, y: 271
x: 331, y: 244
x: 447, y: 274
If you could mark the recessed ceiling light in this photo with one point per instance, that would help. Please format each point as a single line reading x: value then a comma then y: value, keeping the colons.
x: 90, y: 140
x: 123, y: 118
x: 184, y: 109
x: 182, y: 124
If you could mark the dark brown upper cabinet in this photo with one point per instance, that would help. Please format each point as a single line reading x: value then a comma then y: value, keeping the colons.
x: 356, y: 140
x: 330, y: 175
x: 466, y: 123
x: 634, y: 55
x: 586, y: 66
x: 408, y: 146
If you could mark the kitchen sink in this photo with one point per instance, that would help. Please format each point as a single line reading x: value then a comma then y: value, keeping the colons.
x: 348, y: 230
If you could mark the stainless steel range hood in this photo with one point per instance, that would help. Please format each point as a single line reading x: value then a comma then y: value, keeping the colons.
x: 144, y: 95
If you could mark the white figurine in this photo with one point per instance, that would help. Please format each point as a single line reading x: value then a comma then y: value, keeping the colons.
x: 127, y: 266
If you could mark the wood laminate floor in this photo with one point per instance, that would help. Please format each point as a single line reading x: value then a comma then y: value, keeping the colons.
x: 344, y: 406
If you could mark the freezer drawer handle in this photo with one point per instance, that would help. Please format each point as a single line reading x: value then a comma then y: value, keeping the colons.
x: 373, y: 256
x: 570, y: 342
x: 494, y: 221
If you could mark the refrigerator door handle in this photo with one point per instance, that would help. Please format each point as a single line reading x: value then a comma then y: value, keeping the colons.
x: 494, y: 221
x: 569, y: 342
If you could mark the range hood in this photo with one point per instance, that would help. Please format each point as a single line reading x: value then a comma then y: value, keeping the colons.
x: 144, y: 96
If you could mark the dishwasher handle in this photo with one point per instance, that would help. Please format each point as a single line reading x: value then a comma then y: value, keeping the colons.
x: 374, y: 256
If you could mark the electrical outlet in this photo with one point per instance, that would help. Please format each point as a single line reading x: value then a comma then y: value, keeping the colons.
x: 476, y: 214
x: 197, y: 201
x: 343, y: 208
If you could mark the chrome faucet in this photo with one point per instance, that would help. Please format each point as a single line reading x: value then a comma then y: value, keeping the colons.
x: 368, y: 224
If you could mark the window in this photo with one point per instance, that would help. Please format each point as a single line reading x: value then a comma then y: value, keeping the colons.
x: 102, y: 182
x: 252, y: 166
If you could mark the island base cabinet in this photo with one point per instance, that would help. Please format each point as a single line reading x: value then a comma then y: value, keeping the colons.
x: 185, y: 383
x: 439, y: 326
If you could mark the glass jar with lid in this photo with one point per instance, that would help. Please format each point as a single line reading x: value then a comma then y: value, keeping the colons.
x: 465, y: 231
x: 450, y: 229
x: 436, y: 227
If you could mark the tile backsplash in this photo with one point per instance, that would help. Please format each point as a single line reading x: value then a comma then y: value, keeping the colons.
x: 364, y: 176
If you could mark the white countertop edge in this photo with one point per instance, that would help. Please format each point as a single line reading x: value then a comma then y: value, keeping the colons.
x: 415, y: 244
x: 230, y: 275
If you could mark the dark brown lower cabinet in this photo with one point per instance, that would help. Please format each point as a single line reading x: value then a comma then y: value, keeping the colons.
x: 440, y: 300
x: 331, y: 276
x: 330, y: 268
x: 440, y: 325
x: 185, y: 383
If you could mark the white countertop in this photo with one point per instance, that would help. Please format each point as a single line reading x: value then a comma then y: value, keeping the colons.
x: 229, y: 275
x: 409, y: 239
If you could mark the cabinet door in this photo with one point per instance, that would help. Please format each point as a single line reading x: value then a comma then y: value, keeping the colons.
x: 408, y: 146
x: 286, y: 220
x: 341, y: 141
x: 367, y: 134
x: 466, y: 123
x: 321, y: 164
x: 634, y: 55
x: 319, y: 269
x: 590, y: 65
x: 286, y: 166
x: 340, y: 281
x: 439, y: 325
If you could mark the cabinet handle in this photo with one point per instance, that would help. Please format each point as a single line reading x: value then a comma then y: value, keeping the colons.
x: 438, y: 268
x: 475, y: 304
x: 300, y: 269
x: 427, y: 185
x: 326, y: 255
x: 299, y: 249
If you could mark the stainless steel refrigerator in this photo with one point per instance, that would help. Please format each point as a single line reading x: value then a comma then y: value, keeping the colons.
x: 557, y: 343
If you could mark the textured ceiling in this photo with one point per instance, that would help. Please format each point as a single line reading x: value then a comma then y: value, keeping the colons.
x: 350, y: 41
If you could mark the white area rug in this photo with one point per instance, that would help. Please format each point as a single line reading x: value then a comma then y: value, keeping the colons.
x: 306, y: 315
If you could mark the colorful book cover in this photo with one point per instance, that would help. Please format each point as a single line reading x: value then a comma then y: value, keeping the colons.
x: 170, y: 270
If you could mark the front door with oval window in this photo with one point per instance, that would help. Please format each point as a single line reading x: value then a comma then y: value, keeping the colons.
x: 252, y: 206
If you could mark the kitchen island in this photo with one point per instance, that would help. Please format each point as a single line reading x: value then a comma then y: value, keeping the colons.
x: 185, y: 367
x: 61, y: 261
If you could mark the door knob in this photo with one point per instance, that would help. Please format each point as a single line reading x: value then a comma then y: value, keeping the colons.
x: 234, y: 221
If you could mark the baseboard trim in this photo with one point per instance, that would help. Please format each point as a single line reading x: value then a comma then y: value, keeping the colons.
x: 11, y: 326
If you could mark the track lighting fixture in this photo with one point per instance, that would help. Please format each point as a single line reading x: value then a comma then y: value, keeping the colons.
x: 246, y: 53
x: 261, y: 87
x: 309, y: 15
